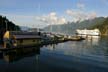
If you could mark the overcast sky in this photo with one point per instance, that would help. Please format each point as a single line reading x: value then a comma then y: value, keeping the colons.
x: 40, y: 13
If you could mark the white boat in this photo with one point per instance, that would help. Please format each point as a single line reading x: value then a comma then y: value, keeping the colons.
x: 94, y: 32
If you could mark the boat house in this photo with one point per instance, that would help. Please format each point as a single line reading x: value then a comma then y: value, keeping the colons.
x: 20, y: 38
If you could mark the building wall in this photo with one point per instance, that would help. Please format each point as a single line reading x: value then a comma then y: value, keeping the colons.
x: 28, y: 42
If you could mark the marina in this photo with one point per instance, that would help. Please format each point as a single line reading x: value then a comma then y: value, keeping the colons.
x: 18, y: 39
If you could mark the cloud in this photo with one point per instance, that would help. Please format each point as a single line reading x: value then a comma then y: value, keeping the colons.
x: 92, y: 15
x: 52, y: 14
x: 80, y: 5
x: 77, y: 15
x: 52, y: 18
x: 62, y: 21
x: 80, y: 14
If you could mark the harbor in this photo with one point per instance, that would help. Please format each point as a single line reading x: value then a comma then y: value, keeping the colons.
x: 18, y: 39
x: 50, y: 51
x: 40, y: 51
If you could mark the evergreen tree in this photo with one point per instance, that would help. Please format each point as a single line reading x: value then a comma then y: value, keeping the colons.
x: 5, y: 24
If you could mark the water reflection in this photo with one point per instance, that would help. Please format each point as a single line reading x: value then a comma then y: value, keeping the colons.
x: 94, y: 40
x: 17, y: 54
x: 90, y: 55
x: 52, y: 46
x: 92, y: 48
x: 86, y: 47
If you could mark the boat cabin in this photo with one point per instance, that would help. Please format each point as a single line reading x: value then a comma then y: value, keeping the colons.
x: 20, y: 38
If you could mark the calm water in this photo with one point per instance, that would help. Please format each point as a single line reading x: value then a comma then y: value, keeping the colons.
x: 90, y: 55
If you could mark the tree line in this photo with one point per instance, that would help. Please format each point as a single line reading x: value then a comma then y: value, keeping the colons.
x: 5, y: 25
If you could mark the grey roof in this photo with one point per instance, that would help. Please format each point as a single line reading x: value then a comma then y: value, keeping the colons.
x: 24, y: 35
x: 27, y: 37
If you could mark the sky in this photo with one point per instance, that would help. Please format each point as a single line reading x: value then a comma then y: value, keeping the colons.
x: 40, y: 13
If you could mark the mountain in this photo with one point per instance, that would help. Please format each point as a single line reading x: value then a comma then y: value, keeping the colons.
x: 70, y: 27
x: 102, y: 27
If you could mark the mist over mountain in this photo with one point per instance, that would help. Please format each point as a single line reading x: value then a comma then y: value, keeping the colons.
x: 24, y: 28
x: 70, y: 27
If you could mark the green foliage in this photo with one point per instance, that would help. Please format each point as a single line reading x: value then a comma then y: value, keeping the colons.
x: 103, y: 27
x: 10, y: 26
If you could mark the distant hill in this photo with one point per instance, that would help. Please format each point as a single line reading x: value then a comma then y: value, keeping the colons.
x: 70, y: 28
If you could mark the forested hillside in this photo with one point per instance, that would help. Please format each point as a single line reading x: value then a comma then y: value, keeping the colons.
x: 5, y: 24
x: 102, y: 27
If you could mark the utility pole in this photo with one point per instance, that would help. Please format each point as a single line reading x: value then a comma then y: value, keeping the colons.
x: 6, y: 25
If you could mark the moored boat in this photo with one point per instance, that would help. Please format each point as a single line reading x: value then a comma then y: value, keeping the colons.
x: 85, y: 32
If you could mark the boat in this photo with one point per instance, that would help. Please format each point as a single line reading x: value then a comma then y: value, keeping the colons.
x: 86, y: 32
x: 75, y: 38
